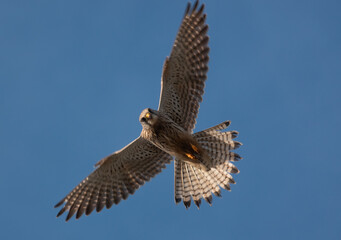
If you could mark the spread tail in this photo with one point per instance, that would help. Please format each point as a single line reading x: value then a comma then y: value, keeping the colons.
x: 196, y: 183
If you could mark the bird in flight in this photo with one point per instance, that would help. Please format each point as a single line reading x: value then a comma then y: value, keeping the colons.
x: 202, y: 160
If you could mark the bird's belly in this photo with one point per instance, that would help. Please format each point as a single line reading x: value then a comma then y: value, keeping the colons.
x: 178, y: 148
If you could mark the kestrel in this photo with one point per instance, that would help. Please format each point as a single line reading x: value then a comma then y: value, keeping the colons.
x: 202, y: 161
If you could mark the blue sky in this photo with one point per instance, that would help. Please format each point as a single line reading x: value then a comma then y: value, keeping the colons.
x: 75, y: 75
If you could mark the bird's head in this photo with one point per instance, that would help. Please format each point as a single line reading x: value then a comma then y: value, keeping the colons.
x: 148, y: 118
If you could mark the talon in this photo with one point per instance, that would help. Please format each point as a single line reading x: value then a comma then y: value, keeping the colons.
x: 190, y: 156
x: 194, y: 148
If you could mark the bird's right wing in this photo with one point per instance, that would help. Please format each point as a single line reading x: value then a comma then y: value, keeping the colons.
x: 117, y: 176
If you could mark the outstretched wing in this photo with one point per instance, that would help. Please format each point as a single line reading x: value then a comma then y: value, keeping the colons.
x: 184, y: 72
x: 117, y: 176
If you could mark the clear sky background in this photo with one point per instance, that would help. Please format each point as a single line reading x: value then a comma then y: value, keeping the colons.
x: 75, y: 75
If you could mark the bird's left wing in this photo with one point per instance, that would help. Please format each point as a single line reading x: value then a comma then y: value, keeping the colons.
x: 184, y: 72
x: 117, y: 176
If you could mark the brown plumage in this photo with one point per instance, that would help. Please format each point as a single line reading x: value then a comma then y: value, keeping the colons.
x: 203, y: 160
x: 167, y: 135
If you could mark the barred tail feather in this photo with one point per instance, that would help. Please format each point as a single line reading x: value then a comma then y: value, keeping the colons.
x: 194, y: 183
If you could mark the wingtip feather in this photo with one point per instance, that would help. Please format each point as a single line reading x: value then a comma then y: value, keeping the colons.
x: 196, y: 3
x: 59, y: 203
